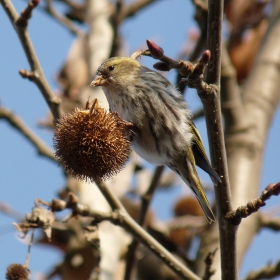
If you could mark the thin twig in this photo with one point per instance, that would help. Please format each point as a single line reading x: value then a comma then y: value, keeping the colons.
x: 29, y: 249
x: 39, y: 77
x: 9, y: 211
x: 267, y: 272
x: 73, y: 4
x: 251, y: 207
x: 268, y: 222
x: 62, y: 19
x: 111, y: 198
x: 201, y: 15
x: 146, y: 199
x: 198, y: 114
x: 208, y: 268
x: 192, y: 73
x: 186, y: 221
x: 134, y: 7
x: 116, y: 21
x: 213, y: 116
x: 42, y: 148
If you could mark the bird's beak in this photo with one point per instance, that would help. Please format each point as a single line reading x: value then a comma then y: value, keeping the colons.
x: 98, y: 81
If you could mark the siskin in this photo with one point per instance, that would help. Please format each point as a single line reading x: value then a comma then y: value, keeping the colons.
x: 164, y: 131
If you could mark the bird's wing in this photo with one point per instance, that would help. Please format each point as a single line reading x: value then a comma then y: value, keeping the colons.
x: 200, y: 155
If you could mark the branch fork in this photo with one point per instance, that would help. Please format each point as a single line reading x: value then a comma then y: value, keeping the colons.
x: 235, y: 217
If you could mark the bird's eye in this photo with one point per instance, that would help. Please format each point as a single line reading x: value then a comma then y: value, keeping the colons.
x: 111, y: 67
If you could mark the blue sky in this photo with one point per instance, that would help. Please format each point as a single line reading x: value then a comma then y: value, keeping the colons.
x: 25, y: 176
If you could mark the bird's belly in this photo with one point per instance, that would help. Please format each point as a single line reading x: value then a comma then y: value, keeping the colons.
x: 148, y: 153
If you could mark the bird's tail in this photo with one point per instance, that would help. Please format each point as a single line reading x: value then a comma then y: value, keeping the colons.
x: 203, y: 201
x: 190, y: 177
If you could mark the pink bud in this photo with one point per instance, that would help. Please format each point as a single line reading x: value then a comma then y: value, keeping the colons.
x: 161, y: 66
x: 269, y: 187
x: 205, y: 57
x: 276, y: 189
x: 155, y: 50
x: 35, y: 2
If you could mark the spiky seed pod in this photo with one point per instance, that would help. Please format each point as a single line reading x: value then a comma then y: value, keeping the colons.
x: 92, y: 144
x: 17, y: 272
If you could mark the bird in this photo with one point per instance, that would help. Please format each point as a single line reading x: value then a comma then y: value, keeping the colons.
x: 164, y: 133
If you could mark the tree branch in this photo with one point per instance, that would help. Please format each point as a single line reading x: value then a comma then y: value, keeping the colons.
x: 62, y: 19
x: 268, y: 222
x: 19, y: 125
x: 132, y: 8
x: 236, y: 216
x: 208, y: 269
x: 186, y: 221
x: 267, y: 272
x: 146, y: 199
x: 201, y: 15
x: 212, y: 108
x: 38, y: 75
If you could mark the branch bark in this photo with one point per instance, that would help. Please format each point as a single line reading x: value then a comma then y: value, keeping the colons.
x: 225, y: 265
x: 42, y: 148
x: 146, y: 199
x: 38, y: 75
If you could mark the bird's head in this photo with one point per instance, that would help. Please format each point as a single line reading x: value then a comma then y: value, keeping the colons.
x: 116, y: 72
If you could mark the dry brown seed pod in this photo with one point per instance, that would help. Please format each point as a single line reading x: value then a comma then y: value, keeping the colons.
x: 17, y: 271
x: 92, y: 143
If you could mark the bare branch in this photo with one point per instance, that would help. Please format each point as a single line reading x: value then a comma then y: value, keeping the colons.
x: 267, y: 272
x: 39, y: 77
x: 193, y: 73
x: 198, y: 114
x: 186, y: 221
x: 134, y: 7
x: 201, y: 15
x: 73, y: 4
x: 208, y: 262
x: 213, y: 116
x: 115, y: 22
x: 8, y: 210
x: 266, y: 221
x: 42, y: 148
x: 62, y: 19
x: 146, y: 199
x: 27, y: 13
x: 29, y: 249
x: 195, y: 78
x: 111, y: 198
x: 236, y: 216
